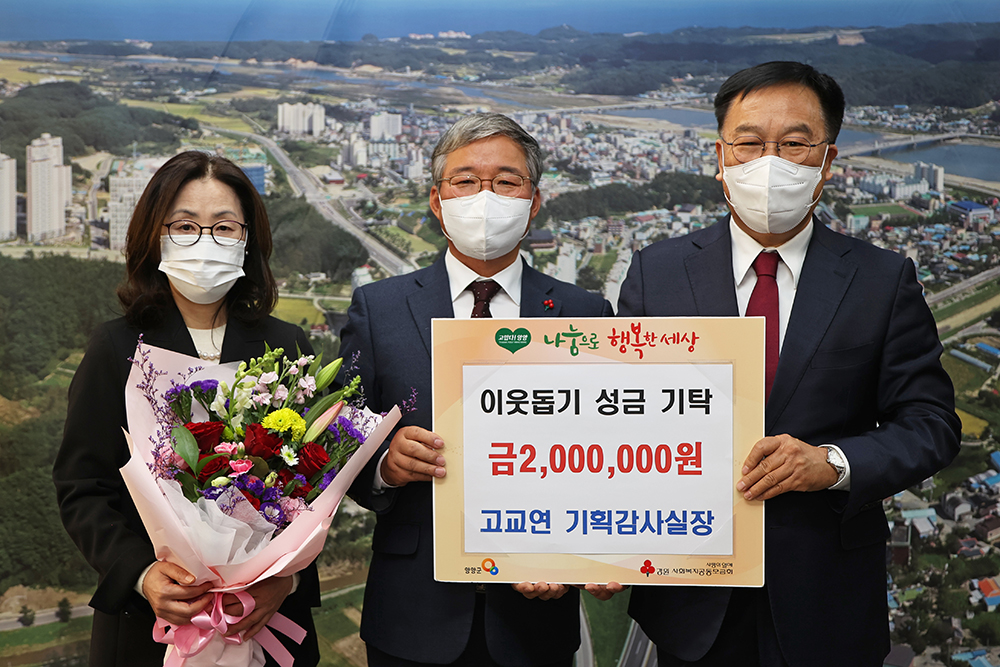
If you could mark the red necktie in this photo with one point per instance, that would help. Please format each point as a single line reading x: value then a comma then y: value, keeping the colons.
x: 483, y: 291
x: 764, y: 301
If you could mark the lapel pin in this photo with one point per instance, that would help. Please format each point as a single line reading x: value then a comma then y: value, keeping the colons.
x: 549, y: 304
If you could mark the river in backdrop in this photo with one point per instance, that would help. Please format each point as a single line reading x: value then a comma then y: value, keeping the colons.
x: 387, y: 83
x: 975, y: 161
x: 963, y: 159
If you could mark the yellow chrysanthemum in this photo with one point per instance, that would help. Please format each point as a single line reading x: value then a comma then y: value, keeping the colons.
x: 285, y: 420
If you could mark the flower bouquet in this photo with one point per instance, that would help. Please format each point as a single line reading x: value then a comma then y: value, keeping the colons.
x: 236, y: 471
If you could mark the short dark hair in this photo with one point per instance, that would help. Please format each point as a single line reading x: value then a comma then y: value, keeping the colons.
x: 145, y: 293
x: 746, y: 81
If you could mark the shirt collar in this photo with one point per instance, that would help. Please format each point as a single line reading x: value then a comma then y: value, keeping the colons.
x: 746, y: 249
x: 460, y: 276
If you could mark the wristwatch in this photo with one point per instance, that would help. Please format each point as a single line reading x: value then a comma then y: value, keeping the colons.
x: 836, y: 459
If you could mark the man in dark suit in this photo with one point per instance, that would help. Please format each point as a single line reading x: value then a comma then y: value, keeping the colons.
x: 486, y: 170
x: 860, y: 407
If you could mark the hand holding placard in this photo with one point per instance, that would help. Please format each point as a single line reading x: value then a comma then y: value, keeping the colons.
x: 604, y: 591
x: 782, y: 463
x: 540, y: 590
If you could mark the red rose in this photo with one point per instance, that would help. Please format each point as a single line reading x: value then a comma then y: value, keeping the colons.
x: 285, y: 476
x: 260, y: 442
x: 301, y: 491
x: 312, y: 458
x: 253, y: 501
x: 212, y: 467
x: 207, y: 434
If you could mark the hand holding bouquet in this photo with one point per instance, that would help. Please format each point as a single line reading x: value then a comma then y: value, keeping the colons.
x: 237, y: 476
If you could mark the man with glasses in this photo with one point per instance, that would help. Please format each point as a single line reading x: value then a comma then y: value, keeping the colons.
x: 486, y: 170
x: 858, y: 407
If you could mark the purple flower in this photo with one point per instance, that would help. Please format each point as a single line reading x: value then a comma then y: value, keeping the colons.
x: 254, y: 485
x: 273, y: 513
x: 205, y: 386
x: 334, y: 431
x: 211, y: 492
x: 327, y: 478
x: 171, y: 394
x: 410, y: 404
x: 350, y: 429
x: 270, y: 495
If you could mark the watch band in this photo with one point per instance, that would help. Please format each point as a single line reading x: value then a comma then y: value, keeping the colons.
x: 836, y: 459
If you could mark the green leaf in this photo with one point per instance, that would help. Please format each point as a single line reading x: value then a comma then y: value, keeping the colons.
x: 315, y: 479
x: 205, y: 399
x: 189, y: 485
x: 260, y: 468
x: 326, y: 375
x: 319, y: 408
x: 350, y: 389
x: 185, y: 445
x: 203, y: 462
x: 181, y: 406
x: 315, y: 365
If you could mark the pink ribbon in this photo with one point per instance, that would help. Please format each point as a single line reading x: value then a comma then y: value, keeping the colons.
x: 270, y: 643
x: 191, y: 639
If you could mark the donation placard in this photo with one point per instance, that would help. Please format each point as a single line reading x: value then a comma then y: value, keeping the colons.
x: 598, y: 449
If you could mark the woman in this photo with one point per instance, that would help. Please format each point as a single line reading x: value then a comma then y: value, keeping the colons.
x: 198, y: 283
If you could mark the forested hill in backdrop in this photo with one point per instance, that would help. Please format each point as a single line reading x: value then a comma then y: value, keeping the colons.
x: 48, y: 308
x: 951, y: 64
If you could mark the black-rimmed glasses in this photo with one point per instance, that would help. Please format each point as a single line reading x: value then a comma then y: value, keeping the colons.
x: 187, y: 232
x: 794, y: 149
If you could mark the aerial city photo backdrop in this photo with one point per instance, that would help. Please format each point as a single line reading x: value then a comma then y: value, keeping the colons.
x: 333, y: 109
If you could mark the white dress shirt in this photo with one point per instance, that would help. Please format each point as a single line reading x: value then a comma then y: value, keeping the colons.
x: 505, y: 304
x: 793, y: 256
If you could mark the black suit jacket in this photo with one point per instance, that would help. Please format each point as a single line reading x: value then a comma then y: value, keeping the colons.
x: 94, y: 502
x: 859, y: 368
x: 407, y: 613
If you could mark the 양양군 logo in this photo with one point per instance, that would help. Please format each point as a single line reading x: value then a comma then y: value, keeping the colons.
x: 512, y: 341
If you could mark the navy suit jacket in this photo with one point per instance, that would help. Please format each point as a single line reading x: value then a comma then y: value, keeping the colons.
x: 96, y: 507
x: 859, y: 368
x: 407, y: 613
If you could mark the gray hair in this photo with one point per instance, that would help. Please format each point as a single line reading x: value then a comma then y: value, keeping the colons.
x: 482, y: 126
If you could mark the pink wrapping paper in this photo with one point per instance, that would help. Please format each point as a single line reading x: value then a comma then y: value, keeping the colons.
x: 292, y: 550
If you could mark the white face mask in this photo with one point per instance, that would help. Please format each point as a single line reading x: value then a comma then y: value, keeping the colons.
x: 203, y: 272
x: 770, y: 194
x: 485, y: 225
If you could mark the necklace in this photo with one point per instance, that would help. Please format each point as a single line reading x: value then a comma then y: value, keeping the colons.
x: 207, y: 342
